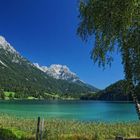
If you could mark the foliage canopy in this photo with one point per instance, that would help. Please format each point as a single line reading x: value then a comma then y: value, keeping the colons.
x: 115, y: 25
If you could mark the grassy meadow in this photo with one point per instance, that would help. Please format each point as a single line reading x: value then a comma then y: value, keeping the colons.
x: 13, y: 128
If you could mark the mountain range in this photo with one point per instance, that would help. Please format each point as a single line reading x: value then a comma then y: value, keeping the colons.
x: 58, y: 71
x: 19, y: 75
x: 25, y: 79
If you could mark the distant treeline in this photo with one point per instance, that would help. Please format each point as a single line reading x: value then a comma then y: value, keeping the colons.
x: 114, y: 92
x: 62, y: 89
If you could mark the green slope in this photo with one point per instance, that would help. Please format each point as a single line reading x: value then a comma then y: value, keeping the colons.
x: 18, y: 75
x: 117, y: 92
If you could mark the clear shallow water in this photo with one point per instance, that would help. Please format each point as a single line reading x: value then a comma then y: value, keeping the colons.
x: 71, y: 110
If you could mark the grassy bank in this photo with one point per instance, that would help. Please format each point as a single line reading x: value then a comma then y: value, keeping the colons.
x: 47, y: 96
x: 21, y: 129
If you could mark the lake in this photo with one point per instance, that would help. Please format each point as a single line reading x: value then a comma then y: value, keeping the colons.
x: 71, y: 110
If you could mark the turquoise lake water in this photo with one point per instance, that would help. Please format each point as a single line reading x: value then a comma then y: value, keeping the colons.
x: 71, y: 110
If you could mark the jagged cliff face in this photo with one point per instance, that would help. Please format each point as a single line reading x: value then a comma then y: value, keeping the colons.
x: 9, y: 52
x: 6, y: 46
x: 58, y: 71
x: 7, y: 49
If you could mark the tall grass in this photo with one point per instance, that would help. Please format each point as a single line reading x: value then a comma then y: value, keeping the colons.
x: 68, y: 130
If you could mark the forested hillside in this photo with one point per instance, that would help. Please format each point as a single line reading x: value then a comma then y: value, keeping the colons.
x: 114, y: 92
x: 19, y: 75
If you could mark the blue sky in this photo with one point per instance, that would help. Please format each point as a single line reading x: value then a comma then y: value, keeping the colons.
x: 44, y: 31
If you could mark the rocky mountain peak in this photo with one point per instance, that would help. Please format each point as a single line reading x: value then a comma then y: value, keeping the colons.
x: 58, y: 71
x: 6, y: 46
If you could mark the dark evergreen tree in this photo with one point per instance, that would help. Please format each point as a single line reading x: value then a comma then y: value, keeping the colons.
x: 2, y: 95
